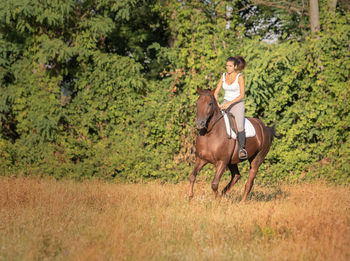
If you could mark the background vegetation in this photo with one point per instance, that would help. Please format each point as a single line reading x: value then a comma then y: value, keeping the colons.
x: 107, y: 88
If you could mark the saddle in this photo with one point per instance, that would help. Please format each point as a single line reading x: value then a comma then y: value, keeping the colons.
x: 231, y: 126
x: 232, y: 123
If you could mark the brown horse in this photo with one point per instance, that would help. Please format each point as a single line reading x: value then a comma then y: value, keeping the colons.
x: 214, y: 146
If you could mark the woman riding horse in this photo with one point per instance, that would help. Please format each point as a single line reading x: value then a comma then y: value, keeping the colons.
x: 214, y: 146
x: 233, y: 84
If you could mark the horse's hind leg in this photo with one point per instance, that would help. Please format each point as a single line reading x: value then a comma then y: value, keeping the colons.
x: 197, y: 167
x: 235, y: 176
x: 254, y: 166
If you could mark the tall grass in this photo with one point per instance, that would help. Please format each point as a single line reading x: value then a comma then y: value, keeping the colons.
x: 43, y: 219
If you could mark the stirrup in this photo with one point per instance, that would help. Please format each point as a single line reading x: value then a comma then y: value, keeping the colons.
x: 243, y: 151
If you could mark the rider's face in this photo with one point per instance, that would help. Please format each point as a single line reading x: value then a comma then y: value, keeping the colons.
x: 230, y: 67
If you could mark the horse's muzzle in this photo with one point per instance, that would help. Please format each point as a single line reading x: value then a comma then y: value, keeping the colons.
x: 200, y: 124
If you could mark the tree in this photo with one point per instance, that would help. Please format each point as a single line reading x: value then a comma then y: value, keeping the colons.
x: 108, y: 88
x: 314, y: 17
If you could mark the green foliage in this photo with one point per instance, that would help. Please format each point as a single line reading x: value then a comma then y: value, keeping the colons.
x: 107, y: 88
x: 303, y: 88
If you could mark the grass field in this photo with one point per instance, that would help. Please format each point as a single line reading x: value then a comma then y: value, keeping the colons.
x: 43, y: 219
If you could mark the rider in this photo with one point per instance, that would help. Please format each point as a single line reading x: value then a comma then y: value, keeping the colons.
x: 233, y: 84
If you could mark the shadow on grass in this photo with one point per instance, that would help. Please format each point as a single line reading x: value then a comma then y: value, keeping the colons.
x: 259, y: 195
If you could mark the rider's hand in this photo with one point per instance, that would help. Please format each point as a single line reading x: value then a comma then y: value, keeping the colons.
x: 223, y: 107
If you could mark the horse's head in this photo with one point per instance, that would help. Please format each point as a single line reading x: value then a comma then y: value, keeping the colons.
x: 206, y: 105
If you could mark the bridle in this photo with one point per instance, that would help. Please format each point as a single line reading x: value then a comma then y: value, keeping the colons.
x: 219, y: 118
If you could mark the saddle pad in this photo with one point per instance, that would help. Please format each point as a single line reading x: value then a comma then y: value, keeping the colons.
x: 248, y: 127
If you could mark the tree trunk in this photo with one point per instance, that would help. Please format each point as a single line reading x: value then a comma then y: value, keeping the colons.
x: 332, y: 4
x: 314, y: 17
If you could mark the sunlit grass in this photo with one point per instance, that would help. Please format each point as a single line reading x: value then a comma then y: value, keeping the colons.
x: 43, y: 219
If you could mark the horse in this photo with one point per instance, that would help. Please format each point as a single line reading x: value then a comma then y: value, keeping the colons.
x: 214, y: 146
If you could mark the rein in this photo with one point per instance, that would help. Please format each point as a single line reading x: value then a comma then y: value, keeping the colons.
x: 219, y: 118
x: 215, y: 123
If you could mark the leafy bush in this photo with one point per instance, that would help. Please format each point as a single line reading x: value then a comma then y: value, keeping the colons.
x: 108, y: 89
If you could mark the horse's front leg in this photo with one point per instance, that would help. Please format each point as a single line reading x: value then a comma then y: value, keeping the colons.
x: 197, y: 167
x: 220, y: 169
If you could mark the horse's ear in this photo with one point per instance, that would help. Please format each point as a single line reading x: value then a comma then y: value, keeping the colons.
x: 199, y: 90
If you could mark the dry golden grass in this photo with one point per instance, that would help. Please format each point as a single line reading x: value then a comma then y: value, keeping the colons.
x: 43, y: 219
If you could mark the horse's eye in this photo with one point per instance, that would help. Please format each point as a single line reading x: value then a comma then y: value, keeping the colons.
x: 210, y: 104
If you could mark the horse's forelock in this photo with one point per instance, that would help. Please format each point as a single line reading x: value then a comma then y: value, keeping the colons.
x: 208, y: 91
x: 210, y: 98
x: 204, y: 91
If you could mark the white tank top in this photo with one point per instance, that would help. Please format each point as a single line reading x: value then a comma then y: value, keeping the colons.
x: 232, y: 91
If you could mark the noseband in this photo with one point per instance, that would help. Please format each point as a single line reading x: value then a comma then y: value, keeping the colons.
x: 214, y: 101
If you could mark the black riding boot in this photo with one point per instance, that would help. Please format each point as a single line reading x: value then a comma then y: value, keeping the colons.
x: 242, y: 153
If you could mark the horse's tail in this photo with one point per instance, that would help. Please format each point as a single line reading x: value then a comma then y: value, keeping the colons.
x: 272, y: 132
